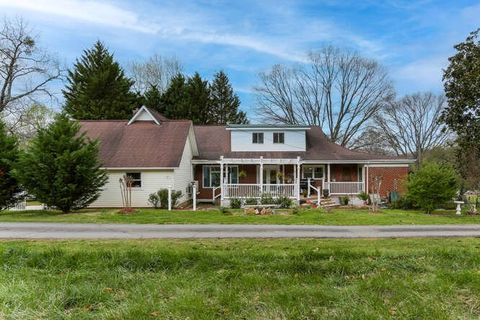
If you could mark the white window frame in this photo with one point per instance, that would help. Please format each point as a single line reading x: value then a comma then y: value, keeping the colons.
x: 257, y: 134
x: 210, y: 175
x: 139, y: 180
x: 279, y: 134
x: 313, y: 172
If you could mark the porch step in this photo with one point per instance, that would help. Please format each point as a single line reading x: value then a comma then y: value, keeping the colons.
x: 324, y: 202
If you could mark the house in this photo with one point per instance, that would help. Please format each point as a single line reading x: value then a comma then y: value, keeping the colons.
x: 232, y: 161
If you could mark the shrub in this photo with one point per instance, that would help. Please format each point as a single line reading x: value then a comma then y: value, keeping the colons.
x: 432, y: 185
x: 223, y: 210
x: 61, y: 167
x: 9, y: 189
x: 402, y: 203
x: 251, y: 201
x: 344, y: 200
x: 235, y: 203
x: 154, y: 200
x: 284, y: 202
x: 363, y: 196
x: 163, y: 196
x: 267, y: 199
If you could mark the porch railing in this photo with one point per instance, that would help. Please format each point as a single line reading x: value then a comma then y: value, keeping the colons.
x: 344, y: 187
x: 242, y: 190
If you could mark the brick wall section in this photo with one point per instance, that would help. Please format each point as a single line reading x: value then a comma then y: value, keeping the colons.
x: 392, y: 177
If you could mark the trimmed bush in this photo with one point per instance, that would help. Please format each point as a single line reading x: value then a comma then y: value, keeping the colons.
x: 251, y: 201
x: 235, y: 203
x: 267, y: 199
x: 344, y: 200
x: 284, y: 202
x: 162, y: 195
x: 432, y: 185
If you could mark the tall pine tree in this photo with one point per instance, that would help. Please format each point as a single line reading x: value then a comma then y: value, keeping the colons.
x: 173, y: 103
x: 198, y: 93
x: 152, y: 98
x: 224, y: 102
x: 61, y: 167
x: 9, y: 189
x: 98, y: 88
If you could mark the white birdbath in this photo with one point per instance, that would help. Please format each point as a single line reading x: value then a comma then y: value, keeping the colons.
x: 459, y: 207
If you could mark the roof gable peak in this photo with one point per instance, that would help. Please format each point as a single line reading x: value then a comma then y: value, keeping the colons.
x: 146, y: 114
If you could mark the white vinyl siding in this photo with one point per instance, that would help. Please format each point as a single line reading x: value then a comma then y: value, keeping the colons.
x: 152, y: 181
x: 184, y: 172
x: 243, y: 140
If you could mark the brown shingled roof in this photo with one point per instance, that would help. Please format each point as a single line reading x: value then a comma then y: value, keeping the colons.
x: 140, y: 144
x: 214, y: 141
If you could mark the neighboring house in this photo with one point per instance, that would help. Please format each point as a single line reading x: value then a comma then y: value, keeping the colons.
x: 252, y: 159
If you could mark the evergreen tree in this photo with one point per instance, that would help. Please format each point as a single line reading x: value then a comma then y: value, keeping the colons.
x: 61, y: 167
x: 9, y: 189
x: 152, y: 98
x: 225, y: 103
x: 198, y: 99
x: 173, y: 103
x: 98, y: 88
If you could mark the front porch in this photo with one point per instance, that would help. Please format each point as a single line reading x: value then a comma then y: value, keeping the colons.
x: 251, y: 178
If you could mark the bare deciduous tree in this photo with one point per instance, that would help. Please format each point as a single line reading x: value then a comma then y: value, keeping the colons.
x: 25, y: 69
x: 156, y: 71
x: 337, y: 90
x: 411, y: 125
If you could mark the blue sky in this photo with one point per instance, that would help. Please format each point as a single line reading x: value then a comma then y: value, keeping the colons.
x: 413, y: 39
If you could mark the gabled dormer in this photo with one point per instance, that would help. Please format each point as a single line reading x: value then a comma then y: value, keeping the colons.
x: 147, y: 115
x: 268, y: 137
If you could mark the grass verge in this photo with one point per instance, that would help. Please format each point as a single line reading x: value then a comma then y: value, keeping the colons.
x: 304, y: 216
x: 259, y: 279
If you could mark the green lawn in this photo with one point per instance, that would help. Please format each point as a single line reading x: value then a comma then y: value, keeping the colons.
x: 241, y: 279
x: 305, y: 216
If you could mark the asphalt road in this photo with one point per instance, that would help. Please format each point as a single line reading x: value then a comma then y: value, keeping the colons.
x: 31, y: 230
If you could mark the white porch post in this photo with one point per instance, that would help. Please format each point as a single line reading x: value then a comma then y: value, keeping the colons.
x: 367, y: 178
x: 169, y: 198
x: 261, y: 175
x: 298, y: 179
x: 328, y: 178
x: 194, y: 196
x: 221, y: 180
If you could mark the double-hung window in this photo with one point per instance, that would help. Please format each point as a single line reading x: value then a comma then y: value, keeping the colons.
x: 313, y: 172
x: 135, y: 179
x: 211, y: 176
x: 257, y: 137
x: 278, y: 137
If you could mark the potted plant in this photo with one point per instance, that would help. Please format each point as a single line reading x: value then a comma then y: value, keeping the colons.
x: 325, y: 193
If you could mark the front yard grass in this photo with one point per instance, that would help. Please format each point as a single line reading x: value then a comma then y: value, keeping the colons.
x: 304, y: 216
x: 241, y: 279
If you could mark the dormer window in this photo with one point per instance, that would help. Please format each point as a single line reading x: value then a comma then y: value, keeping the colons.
x: 257, y: 137
x: 278, y: 137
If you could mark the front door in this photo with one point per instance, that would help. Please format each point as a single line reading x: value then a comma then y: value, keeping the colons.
x: 270, y: 174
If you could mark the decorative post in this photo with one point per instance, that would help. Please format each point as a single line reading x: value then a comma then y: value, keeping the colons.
x: 261, y: 175
x: 194, y: 196
x: 459, y: 207
x: 328, y: 179
x: 221, y: 181
x: 169, y: 198
x: 308, y: 192
x: 298, y: 179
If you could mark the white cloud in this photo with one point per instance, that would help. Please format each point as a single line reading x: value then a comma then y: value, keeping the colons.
x: 424, y: 74
x: 114, y: 16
